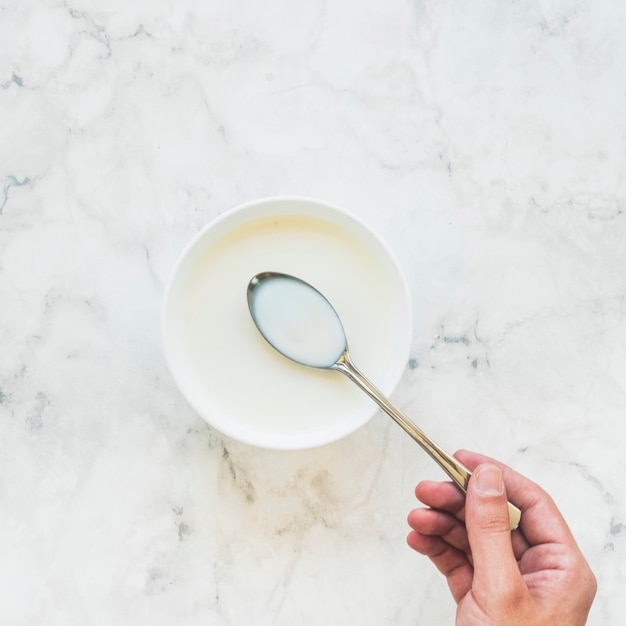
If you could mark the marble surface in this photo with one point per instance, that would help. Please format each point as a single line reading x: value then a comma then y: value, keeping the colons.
x: 485, y: 142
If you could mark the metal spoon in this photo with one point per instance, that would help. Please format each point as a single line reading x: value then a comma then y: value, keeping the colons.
x: 300, y: 323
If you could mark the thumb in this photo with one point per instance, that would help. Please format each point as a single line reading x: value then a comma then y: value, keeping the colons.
x: 487, y: 522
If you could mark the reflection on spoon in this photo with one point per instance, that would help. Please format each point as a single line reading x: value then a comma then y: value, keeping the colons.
x: 299, y: 322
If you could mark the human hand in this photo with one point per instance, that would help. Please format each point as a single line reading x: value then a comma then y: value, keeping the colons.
x: 535, y: 575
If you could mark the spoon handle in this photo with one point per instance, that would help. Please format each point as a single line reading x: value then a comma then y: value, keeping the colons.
x: 453, y: 467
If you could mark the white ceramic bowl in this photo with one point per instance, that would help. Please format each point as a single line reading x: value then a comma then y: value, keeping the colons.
x: 226, y: 370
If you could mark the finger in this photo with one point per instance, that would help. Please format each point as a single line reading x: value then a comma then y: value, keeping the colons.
x: 496, y: 572
x: 452, y: 563
x: 445, y: 496
x: 541, y: 520
x: 432, y: 522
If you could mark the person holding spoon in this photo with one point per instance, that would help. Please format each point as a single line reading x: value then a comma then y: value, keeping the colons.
x: 535, y: 575
x: 532, y: 576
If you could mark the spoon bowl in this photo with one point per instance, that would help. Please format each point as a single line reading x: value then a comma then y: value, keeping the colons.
x: 296, y: 319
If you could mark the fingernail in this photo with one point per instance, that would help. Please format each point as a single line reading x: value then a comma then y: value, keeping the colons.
x: 489, y: 481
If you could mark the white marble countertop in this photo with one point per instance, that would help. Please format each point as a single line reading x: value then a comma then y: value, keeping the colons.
x: 486, y: 143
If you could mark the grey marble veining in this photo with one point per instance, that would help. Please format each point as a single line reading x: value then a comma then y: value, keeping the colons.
x: 485, y: 141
